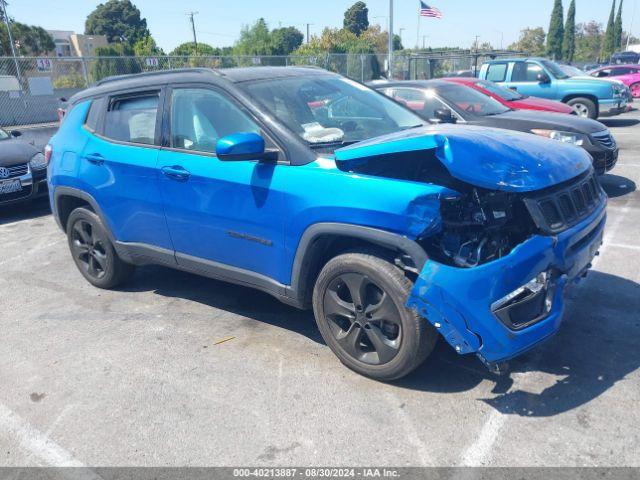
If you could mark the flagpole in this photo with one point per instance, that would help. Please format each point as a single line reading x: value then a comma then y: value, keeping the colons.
x: 418, y: 37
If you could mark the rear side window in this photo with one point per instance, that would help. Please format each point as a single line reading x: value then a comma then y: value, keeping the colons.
x: 95, y: 111
x: 132, y: 119
x: 622, y: 71
x: 497, y: 72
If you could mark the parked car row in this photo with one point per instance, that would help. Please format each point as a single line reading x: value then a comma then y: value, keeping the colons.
x: 328, y: 195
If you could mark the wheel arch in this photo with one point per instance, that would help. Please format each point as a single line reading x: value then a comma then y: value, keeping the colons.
x: 323, y: 241
x: 67, y: 199
x: 588, y: 96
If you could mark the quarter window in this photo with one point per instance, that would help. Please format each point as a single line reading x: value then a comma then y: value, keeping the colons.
x: 526, y: 72
x: 133, y: 119
x: 93, y: 117
x: 497, y: 72
x: 200, y: 117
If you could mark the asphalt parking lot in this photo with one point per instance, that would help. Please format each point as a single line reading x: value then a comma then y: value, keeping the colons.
x: 144, y: 376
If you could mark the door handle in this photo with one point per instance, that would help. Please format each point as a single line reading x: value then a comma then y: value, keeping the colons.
x: 176, y: 173
x: 95, y: 158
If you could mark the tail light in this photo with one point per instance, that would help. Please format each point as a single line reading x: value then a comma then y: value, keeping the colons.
x: 48, y: 151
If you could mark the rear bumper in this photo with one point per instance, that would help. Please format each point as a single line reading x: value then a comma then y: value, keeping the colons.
x: 609, y: 108
x: 458, y: 302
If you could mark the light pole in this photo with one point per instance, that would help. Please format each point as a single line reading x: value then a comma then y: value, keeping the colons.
x: 193, y: 28
x: 390, y: 73
x: 3, y: 4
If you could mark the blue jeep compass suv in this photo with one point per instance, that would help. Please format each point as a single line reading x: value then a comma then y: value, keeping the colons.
x: 326, y: 194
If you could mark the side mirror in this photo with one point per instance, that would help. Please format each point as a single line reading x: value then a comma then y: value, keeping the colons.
x: 16, y: 133
x: 239, y: 147
x: 444, y: 115
x: 543, y: 78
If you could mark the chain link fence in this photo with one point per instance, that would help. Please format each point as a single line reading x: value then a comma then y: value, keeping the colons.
x: 31, y: 89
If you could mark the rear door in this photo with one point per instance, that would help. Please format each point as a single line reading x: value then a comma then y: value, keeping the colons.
x: 218, y: 212
x: 118, y: 164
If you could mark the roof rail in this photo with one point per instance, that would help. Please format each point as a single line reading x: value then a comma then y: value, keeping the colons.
x: 115, y: 78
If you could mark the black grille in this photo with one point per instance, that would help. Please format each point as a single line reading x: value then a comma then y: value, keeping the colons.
x: 17, y: 170
x: 604, y: 139
x: 561, y: 207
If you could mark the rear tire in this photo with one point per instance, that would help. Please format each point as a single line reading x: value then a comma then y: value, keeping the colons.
x: 359, y: 305
x: 93, y: 252
x: 584, y: 107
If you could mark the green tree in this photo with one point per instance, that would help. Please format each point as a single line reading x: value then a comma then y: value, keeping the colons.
x: 617, y: 30
x: 116, y: 63
x: 589, y: 38
x: 608, y: 46
x: 556, y: 32
x: 147, y: 47
x: 188, y: 49
x: 32, y: 40
x: 119, y: 20
x: 569, y: 41
x: 356, y: 18
x: 254, y: 40
x: 531, y: 41
x: 285, y: 40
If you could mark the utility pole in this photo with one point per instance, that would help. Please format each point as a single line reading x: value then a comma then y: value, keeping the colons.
x: 390, y: 70
x: 193, y: 28
x: 309, y: 31
x: 3, y: 4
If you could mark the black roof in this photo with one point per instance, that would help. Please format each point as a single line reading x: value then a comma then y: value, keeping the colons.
x: 193, y: 75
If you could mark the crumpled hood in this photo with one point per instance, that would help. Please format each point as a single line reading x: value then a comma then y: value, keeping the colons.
x: 15, y: 152
x: 485, y: 157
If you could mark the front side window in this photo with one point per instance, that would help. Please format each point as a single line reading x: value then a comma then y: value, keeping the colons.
x: 602, y: 73
x: 328, y: 112
x: 132, y: 119
x: 497, y: 72
x: 200, y: 117
x: 526, y: 72
x: 621, y: 71
x: 3, y: 135
x: 424, y: 102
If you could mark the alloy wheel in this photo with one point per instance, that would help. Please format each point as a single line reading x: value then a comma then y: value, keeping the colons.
x: 363, y: 318
x: 581, y: 109
x: 88, y: 249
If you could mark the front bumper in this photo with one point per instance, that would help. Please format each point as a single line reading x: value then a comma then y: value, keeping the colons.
x: 609, y: 108
x: 34, y: 185
x: 458, y: 302
x: 603, y: 159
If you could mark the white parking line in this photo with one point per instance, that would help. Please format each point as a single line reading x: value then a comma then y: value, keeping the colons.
x: 34, y: 441
x: 478, y: 453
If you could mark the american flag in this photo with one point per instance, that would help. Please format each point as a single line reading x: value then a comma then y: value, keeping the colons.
x: 427, y: 11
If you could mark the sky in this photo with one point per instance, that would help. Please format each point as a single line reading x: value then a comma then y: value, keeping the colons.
x: 218, y: 22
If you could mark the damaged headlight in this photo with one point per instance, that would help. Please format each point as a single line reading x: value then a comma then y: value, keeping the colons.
x: 577, y: 139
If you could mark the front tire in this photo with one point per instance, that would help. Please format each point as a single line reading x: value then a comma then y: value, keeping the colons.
x: 93, y: 252
x: 584, y: 107
x: 635, y: 90
x: 359, y: 305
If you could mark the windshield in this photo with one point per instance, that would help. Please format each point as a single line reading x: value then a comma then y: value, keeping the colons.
x: 470, y: 101
x: 572, y: 71
x: 329, y: 112
x: 555, y: 69
x: 3, y: 135
x: 502, y: 92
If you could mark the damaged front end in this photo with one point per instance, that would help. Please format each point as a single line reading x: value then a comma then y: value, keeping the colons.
x: 506, y: 245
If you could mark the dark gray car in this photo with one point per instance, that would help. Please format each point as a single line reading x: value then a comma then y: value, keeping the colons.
x: 23, y: 170
x: 446, y: 102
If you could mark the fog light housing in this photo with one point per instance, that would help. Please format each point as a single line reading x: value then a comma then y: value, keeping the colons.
x: 527, y: 304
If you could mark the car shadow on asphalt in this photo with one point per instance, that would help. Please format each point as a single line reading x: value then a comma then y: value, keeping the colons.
x: 617, y: 186
x: 619, y: 122
x: 24, y: 211
x: 246, y: 302
x: 596, y: 347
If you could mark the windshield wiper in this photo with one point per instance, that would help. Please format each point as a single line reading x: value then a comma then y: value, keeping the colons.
x: 412, y: 127
x: 332, y: 144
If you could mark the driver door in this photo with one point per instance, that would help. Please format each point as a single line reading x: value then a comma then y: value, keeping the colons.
x: 219, y: 213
